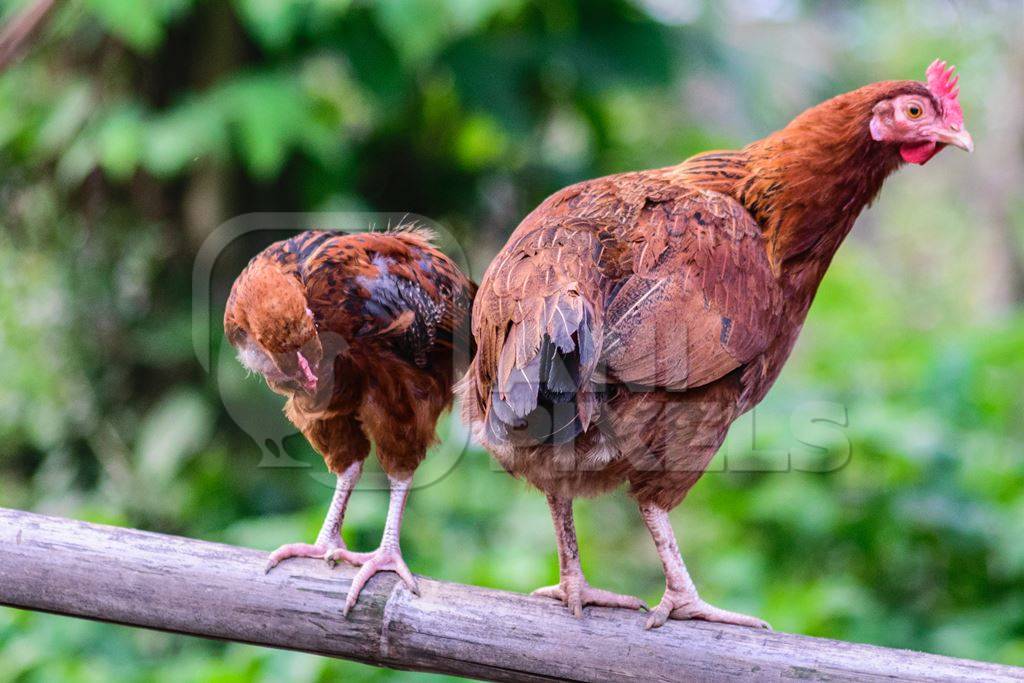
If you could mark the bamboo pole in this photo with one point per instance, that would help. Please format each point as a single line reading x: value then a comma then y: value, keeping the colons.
x: 211, y: 590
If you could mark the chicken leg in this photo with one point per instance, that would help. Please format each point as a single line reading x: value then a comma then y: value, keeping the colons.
x: 681, y: 600
x: 329, y: 538
x: 572, y: 588
x: 387, y: 557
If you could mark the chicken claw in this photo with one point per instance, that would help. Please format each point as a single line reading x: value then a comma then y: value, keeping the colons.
x: 681, y: 600
x: 329, y: 538
x: 388, y: 557
x: 576, y: 593
x: 385, y: 558
x: 687, y: 605
x: 572, y: 588
x: 290, y: 550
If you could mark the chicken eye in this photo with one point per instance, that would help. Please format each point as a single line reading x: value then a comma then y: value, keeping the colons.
x: 914, y: 111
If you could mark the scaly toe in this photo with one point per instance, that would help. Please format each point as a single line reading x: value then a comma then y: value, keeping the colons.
x: 345, y: 555
x: 577, y: 594
x: 291, y: 550
x: 383, y: 559
x: 707, y: 612
x: 567, y: 592
x: 603, y: 598
x: 658, y: 617
x: 553, y: 592
x: 684, y: 606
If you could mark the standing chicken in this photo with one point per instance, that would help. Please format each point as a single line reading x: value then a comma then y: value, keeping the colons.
x: 363, y: 334
x: 629, y: 320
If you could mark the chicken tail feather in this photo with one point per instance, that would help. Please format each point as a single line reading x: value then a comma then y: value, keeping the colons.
x: 544, y: 369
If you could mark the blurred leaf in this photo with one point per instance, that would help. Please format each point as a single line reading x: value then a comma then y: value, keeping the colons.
x: 120, y: 142
x: 174, y: 429
x: 273, y: 22
x: 66, y: 118
x: 268, y: 115
x: 481, y: 142
x: 192, y: 131
x: 137, y: 22
x: 418, y: 28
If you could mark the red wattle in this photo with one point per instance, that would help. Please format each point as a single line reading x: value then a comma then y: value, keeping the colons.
x: 918, y: 152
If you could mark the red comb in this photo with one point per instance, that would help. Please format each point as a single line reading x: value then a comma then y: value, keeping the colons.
x: 942, y: 81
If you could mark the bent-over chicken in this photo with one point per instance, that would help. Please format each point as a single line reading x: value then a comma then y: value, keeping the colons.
x: 363, y: 334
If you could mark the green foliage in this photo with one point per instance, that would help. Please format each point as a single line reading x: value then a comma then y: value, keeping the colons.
x: 132, y: 129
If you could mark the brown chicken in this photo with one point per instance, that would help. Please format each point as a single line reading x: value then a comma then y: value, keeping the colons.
x: 363, y: 333
x: 630, y: 319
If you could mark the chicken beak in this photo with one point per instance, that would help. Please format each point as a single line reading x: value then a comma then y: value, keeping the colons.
x: 309, y: 378
x: 958, y: 137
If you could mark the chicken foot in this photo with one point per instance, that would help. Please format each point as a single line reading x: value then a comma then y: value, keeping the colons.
x: 387, y: 557
x: 681, y: 600
x: 329, y: 538
x: 572, y: 588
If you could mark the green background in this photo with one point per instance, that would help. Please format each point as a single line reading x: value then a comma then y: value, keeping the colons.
x: 131, y: 130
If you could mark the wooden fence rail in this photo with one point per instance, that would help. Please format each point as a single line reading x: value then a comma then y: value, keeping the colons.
x: 206, y: 589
